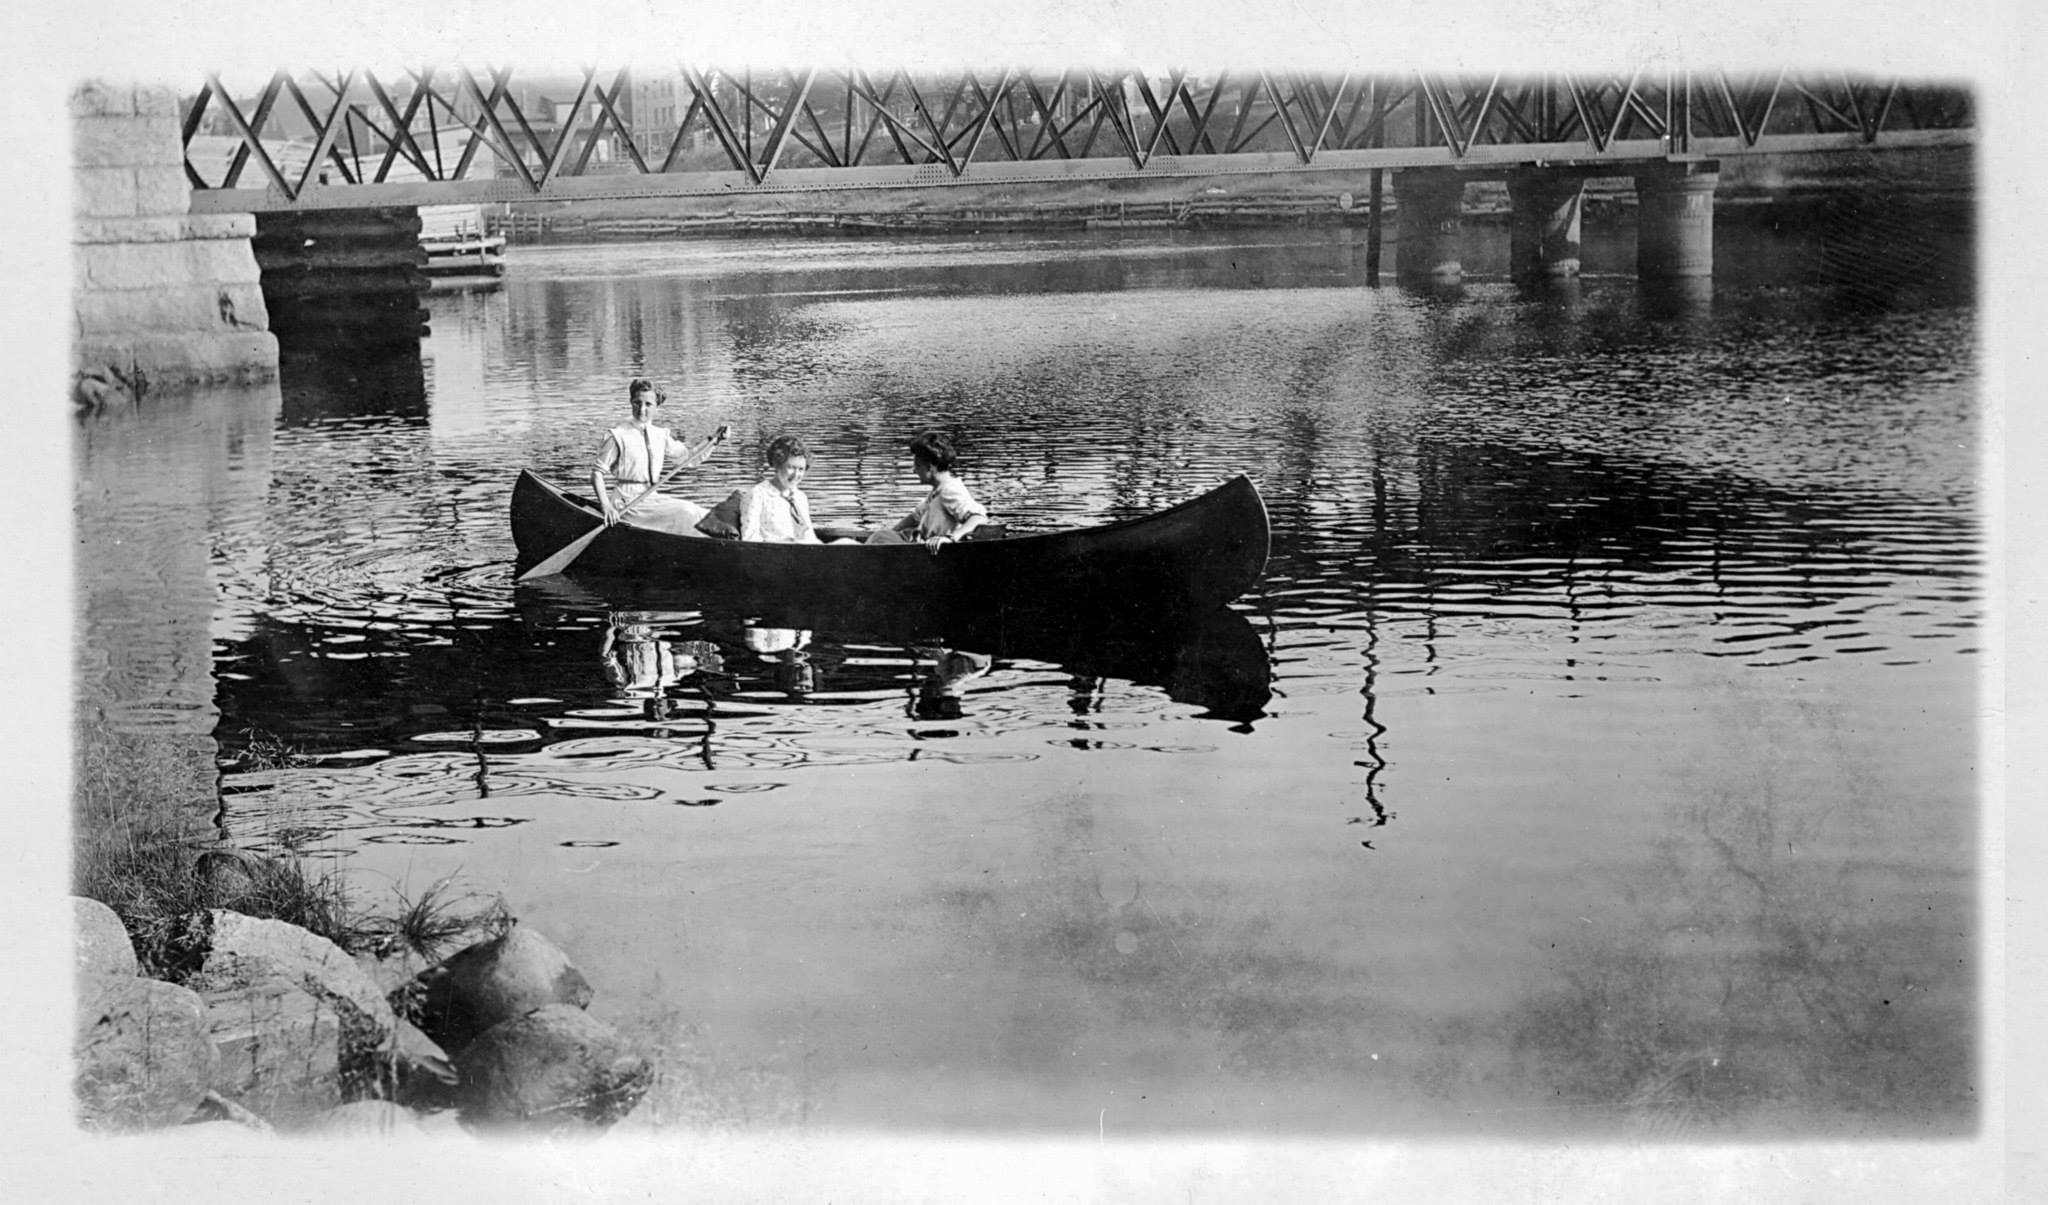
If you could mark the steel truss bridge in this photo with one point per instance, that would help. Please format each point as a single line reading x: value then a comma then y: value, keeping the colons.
x: 351, y: 139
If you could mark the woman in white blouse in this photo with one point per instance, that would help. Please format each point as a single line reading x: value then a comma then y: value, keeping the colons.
x: 634, y: 455
x: 774, y: 508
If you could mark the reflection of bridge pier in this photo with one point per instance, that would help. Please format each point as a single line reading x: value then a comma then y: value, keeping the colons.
x: 167, y: 496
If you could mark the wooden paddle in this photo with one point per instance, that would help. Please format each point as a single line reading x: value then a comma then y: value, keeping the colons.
x: 574, y: 548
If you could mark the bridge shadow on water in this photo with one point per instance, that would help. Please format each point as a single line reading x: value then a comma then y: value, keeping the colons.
x: 326, y: 381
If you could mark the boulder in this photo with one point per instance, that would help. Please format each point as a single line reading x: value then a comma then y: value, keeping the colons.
x: 240, y: 950
x: 493, y: 982
x: 416, y: 1073
x: 215, y: 1107
x: 364, y: 1119
x: 395, y: 975
x: 280, y: 1045
x: 322, y: 966
x: 225, y: 875
x: 100, y: 941
x: 141, y: 1052
x: 555, y: 1070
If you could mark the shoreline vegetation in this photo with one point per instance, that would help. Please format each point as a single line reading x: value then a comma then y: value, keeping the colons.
x: 1323, y: 199
x: 259, y: 992
x: 221, y: 990
x: 154, y: 863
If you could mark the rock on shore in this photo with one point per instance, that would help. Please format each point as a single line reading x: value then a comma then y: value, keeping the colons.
x: 300, y: 1027
x: 142, y: 1055
x: 554, y: 1069
x: 278, y: 1027
x: 495, y: 981
x: 100, y: 943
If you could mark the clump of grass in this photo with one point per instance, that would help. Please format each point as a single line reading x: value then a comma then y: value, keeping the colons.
x: 263, y: 750
x: 436, y: 921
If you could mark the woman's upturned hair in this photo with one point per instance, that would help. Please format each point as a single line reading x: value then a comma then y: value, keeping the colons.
x: 783, y: 447
x: 935, y: 448
x: 639, y: 386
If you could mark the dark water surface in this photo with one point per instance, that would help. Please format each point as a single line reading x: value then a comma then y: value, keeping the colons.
x: 1596, y: 757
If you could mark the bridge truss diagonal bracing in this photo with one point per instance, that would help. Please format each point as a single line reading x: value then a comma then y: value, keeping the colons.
x: 353, y: 139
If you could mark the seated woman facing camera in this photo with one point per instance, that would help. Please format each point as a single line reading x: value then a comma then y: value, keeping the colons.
x: 774, y: 509
x: 948, y: 513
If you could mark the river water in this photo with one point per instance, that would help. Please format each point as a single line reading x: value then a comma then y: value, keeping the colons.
x: 1596, y: 756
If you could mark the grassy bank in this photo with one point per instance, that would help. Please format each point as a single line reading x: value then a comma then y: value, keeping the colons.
x: 144, y: 850
x: 156, y: 884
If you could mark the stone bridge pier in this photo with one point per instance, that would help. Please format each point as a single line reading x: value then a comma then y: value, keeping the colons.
x: 343, y: 277
x: 1547, y: 208
x: 1674, y: 221
x: 1428, y: 223
x: 163, y: 299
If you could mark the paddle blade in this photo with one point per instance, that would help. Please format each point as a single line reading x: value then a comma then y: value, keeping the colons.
x: 560, y: 561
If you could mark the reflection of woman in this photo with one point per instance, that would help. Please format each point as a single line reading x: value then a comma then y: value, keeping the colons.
x: 939, y: 697
x: 769, y: 641
x: 640, y: 664
x: 635, y: 660
x: 784, y: 649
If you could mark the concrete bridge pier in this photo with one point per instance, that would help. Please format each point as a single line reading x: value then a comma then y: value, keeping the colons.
x: 1427, y: 225
x: 163, y: 299
x: 1675, y: 220
x: 1544, y: 224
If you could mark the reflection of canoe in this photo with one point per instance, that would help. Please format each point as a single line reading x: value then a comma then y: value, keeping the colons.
x: 1189, y: 558
x: 1214, y: 659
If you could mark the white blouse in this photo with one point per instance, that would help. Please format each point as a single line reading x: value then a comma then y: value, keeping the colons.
x: 766, y: 513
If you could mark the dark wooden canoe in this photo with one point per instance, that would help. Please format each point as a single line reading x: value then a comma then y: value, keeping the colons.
x: 1192, y: 557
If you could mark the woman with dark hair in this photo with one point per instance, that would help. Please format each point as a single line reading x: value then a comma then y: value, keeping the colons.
x: 635, y: 454
x: 949, y: 512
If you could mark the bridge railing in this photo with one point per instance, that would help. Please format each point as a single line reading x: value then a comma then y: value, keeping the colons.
x: 353, y: 138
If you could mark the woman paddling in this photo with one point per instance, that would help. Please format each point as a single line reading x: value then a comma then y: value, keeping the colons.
x: 635, y: 455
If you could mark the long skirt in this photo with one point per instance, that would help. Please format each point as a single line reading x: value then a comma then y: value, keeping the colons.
x: 677, y: 516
